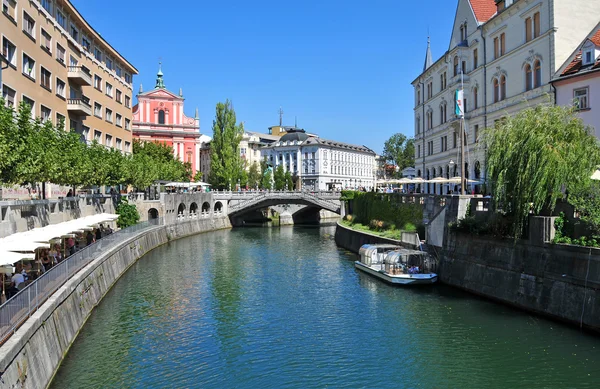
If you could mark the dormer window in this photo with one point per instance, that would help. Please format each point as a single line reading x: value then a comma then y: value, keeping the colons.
x: 588, y: 57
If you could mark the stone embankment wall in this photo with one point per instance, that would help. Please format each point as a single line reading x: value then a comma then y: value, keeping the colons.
x: 351, y: 239
x: 30, y: 357
x: 559, y: 281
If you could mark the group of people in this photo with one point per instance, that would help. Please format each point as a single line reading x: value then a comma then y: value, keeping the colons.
x: 26, y: 272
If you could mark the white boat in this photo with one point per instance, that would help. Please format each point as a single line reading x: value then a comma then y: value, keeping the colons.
x: 396, y: 265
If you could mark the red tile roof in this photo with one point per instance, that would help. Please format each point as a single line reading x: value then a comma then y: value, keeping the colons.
x: 575, y: 65
x: 484, y: 9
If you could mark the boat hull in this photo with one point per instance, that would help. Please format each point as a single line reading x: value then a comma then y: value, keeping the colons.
x: 401, y: 279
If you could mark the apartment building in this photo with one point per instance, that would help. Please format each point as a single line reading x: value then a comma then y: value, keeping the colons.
x: 503, y: 55
x: 66, y: 72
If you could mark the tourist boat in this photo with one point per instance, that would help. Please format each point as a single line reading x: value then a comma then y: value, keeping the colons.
x: 396, y: 265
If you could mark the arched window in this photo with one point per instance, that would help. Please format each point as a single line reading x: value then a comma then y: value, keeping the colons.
x: 455, y: 66
x: 442, y: 121
x: 537, y: 74
x: 475, y: 98
x: 496, y: 90
x: 528, y: 79
x: 418, y: 125
x: 502, y: 88
x: 161, y: 117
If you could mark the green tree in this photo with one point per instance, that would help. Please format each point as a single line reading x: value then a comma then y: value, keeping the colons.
x: 400, y: 151
x: 254, y: 176
x: 289, y: 182
x: 225, y: 162
x: 128, y: 214
x: 279, y: 177
x: 198, y: 176
x: 267, y: 180
x: 534, y: 156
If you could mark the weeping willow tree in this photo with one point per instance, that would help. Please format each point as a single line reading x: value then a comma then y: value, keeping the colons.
x: 537, y: 156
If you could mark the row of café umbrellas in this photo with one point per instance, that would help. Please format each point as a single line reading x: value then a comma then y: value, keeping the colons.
x: 22, y: 245
x: 419, y: 180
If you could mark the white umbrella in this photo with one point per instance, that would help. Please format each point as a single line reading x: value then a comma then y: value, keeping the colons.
x: 8, y: 258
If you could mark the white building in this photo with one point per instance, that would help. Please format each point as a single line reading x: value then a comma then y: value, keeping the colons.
x: 577, y: 82
x: 250, y: 146
x: 503, y: 54
x: 320, y: 164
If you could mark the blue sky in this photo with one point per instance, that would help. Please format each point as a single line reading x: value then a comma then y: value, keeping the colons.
x: 343, y: 68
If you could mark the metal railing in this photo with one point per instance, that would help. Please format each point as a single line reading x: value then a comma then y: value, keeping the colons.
x: 16, y: 310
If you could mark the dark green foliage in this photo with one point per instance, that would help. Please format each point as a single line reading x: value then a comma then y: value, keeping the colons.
x: 387, y: 208
x: 348, y: 195
x: 128, y: 214
x: 565, y: 231
x: 289, y: 182
x: 254, y: 176
x: 399, y: 151
x: 226, y: 166
x: 279, y: 178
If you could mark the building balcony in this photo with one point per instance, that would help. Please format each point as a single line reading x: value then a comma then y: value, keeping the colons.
x: 80, y: 75
x: 80, y: 107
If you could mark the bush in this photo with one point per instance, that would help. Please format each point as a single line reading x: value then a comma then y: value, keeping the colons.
x: 128, y: 214
x: 347, y: 195
x: 367, y: 206
x: 409, y: 227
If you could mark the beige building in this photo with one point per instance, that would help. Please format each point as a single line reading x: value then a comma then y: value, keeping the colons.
x: 503, y: 55
x: 64, y: 69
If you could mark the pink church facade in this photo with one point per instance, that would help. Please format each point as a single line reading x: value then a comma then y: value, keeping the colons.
x: 159, y: 117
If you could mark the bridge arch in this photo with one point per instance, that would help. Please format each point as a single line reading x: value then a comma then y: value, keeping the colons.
x: 152, y: 213
x: 181, y: 209
x: 205, y: 207
x: 218, y: 206
x: 193, y: 208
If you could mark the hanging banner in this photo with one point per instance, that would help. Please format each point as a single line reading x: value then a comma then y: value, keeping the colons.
x: 458, y: 99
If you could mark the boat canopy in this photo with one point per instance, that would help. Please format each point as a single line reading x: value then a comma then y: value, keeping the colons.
x: 374, y: 253
x: 405, y: 258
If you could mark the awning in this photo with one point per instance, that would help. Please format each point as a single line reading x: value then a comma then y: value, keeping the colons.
x: 9, y: 258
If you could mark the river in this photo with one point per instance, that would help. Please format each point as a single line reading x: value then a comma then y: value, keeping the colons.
x: 285, y: 308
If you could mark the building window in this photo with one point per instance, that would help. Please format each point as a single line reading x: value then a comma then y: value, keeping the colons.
x: 28, y: 25
x: 537, y: 74
x: 98, y: 54
x: 60, y: 121
x: 502, y: 44
x: 418, y: 125
x: 502, y: 88
x: 588, y: 57
x: 581, y: 98
x: 46, y: 41
x: 31, y: 105
x: 536, y: 25
x: 74, y: 33
x: 98, y: 136
x: 97, y: 82
x: 119, y: 120
x: 109, y: 63
x: 118, y: 71
x: 127, y: 124
x: 118, y: 95
x: 61, y: 19
x: 475, y: 98
x: 443, y: 111
x: 128, y: 78
x: 46, y: 113
x: 418, y: 97
x: 108, y: 139
x: 8, y: 95
x: 109, y: 115
x: 496, y: 90
x: 60, y: 54
x: 28, y: 66
x: 418, y: 151
x: 528, y: 78
x: 528, y: 29
x: 9, y: 8
x: 127, y: 101
x: 97, y: 110
x: 46, y: 79
x: 60, y: 87
x: 455, y: 66
x: 118, y: 144
x: 109, y: 90
x: 475, y: 59
x: 127, y: 146
x: 499, y: 46
x: 476, y: 133
x: 9, y: 51
x: 161, y: 117
x: 85, y: 43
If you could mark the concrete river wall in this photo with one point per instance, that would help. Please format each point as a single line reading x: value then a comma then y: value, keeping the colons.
x: 31, y: 356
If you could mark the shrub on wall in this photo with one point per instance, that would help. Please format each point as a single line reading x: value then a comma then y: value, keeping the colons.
x: 368, y: 206
x: 128, y: 214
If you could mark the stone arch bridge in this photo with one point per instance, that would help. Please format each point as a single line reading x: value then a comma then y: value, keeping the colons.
x: 181, y: 206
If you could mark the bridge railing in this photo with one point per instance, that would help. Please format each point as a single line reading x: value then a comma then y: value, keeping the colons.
x: 315, y: 197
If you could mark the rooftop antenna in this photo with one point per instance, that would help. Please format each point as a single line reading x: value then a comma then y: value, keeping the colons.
x: 280, y: 117
x: 295, y: 121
